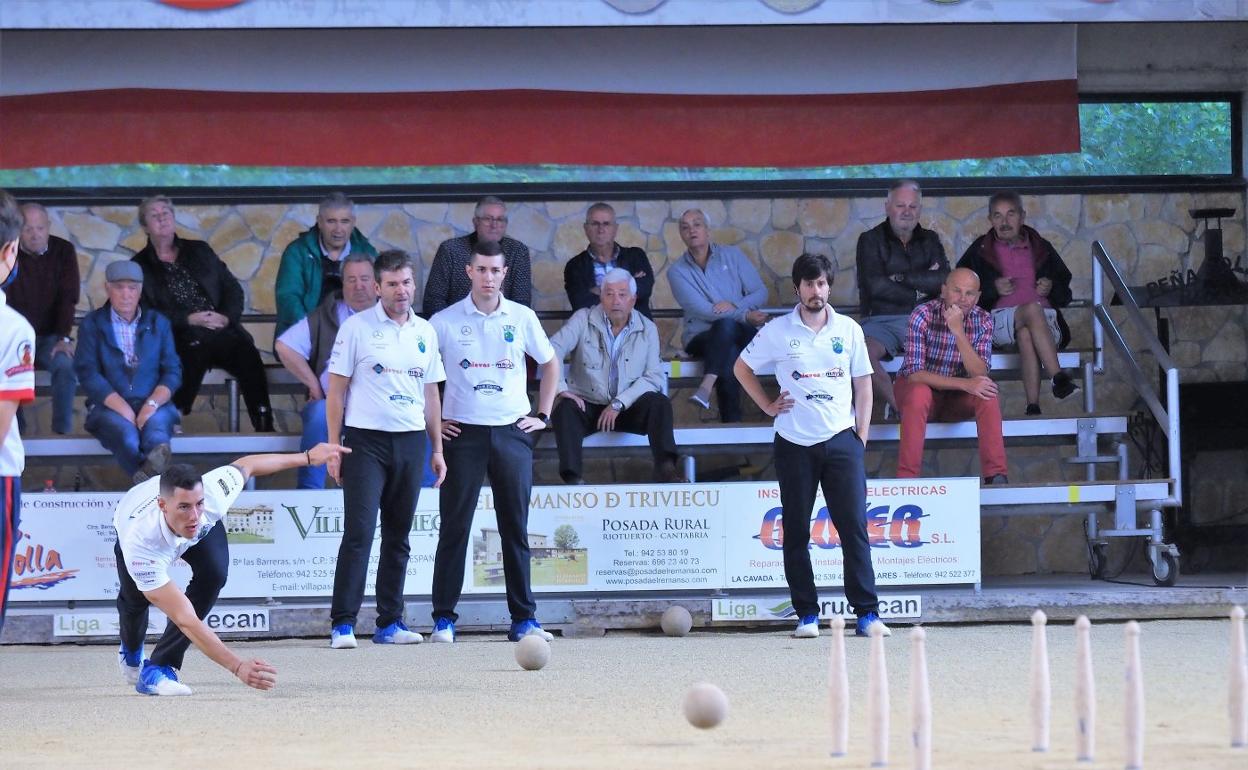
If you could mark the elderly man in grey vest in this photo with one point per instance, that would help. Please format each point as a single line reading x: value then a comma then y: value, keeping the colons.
x: 614, y: 380
x: 304, y: 350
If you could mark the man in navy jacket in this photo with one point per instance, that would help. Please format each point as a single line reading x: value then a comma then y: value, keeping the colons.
x: 582, y: 276
x: 129, y: 367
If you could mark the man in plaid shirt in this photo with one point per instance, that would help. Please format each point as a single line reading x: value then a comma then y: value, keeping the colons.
x: 945, y: 376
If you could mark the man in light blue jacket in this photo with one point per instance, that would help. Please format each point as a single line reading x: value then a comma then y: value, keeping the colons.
x: 721, y: 293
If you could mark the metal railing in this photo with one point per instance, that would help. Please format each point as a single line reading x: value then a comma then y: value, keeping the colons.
x: 1106, y: 329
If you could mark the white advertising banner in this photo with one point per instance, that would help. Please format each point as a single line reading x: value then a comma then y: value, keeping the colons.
x: 922, y: 531
x: 284, y: 543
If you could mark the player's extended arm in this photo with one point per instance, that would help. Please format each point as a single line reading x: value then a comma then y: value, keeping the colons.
x: 263, y: 465
x: 171, y: 601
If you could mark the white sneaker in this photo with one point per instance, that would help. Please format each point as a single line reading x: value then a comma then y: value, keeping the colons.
x: 160, y: 680
x: 397, y: 633
x: 342, y: 637
x: 443, y: 632
x: 130, y: 664
x: 807, y: 627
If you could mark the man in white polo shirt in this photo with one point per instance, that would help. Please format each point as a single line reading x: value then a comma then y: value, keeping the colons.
x: 487, y: 431
x: 383, y: 373
x: 822, y: 416
x: 177, y: 515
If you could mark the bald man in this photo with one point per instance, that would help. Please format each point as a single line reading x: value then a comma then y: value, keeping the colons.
x: 945, y: 376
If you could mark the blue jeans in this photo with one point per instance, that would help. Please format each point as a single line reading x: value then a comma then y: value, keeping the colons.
x: 315, y: 430
x: 127, y: 443
x: 64, y: 383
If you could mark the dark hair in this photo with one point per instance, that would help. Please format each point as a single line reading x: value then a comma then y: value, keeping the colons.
x: 1005, y: 196
x: 179, y: 476
x: 11, y: 219
x: 809, y: 266
x: 486, y: 249
x: 392, y: 261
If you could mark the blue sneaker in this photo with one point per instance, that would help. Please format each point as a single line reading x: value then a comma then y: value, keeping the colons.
x: 866, y: 621
x: 342, y: 637
x: 807, y: 627
x: 397, y: 633
x: 159, y: 680
x: 523, y: 628
x: 443, y: 631
x: 129, y: 662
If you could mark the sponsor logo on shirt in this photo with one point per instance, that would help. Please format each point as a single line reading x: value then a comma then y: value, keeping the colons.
x: 836, y: 373
x: 821, y: 397
x: 509, y: 333
x: 795, y: 344
x: 420, y: 344
x: 400, y: 398
x: 838, y: 345
x: 25, y: 361
x: 378, y: 335
x: 225, y: 488
x: 466, y: 364
x: 379, y: 369
x: 416, y: 372
x: 465, y: 330
x: 488, y: 388
x: 506, y: 363
x: 831, y: 374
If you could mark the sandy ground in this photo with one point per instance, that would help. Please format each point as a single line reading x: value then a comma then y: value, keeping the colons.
x: 610, y: 702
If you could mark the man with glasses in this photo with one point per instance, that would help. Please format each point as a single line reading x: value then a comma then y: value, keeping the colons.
x: 448, y: 276
x: 582, y: 276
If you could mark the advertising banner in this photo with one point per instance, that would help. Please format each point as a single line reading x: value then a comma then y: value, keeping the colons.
x: 776, y: 607
x: 284, y: 543
x: 922, y: 531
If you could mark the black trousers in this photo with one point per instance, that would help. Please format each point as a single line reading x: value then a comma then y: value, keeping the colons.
x: 382, y: 472
x: 650, y: 416
x: 210, y: 565
x: 837, y: 465
x: 231, y: 349
x: 504, y: 454
x: 719, y: 347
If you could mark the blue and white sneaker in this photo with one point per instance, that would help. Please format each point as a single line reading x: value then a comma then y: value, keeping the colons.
x: 443, y: 631
x: 866, y: 621
x: 523, y: 628
x: 129, y: 663
x: 807, y: 627
x: 159, y: 680
x: 342, y: 637
x: 397, y: 633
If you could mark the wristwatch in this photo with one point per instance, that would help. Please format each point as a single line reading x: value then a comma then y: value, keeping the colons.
x: 617, y: 405
x: 544, y: 418
x: 153, y: 404
x: 67, y: 340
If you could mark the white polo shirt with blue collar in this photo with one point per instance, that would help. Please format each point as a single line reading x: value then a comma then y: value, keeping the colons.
x: 389, y: 364
x: 483, y: 354
x: 147, y: 543
x: 816, y: 368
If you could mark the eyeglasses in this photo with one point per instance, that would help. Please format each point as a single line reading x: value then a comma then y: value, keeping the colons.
x: 492, y: 220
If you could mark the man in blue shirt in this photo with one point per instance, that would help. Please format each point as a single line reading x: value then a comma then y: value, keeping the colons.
x: 129, y: 367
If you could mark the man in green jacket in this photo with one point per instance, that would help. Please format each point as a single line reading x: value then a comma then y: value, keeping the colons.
x: 311, y: 266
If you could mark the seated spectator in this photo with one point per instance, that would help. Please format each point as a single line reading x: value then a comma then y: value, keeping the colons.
x: 305, y: 347
x: 1025, y: 282
x: 582, y: 276
x: 614, y: 381
x: 129, y: 367
x: 45, y: 291
x: 190, y: 285
x: 720, y: 291
x: 448, y: 280
x: 945, y: 376
x: 900, y: 264
x: 311, y: 266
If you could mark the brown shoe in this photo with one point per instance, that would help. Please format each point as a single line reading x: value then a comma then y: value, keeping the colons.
x: 666, y: 473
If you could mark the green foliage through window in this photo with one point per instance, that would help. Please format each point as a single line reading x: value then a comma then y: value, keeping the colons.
x: 1118, y: 139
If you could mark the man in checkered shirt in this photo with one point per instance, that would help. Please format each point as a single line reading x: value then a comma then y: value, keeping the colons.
x: 945, y: 376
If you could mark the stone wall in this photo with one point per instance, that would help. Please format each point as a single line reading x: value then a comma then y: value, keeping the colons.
x: 1149, y: 234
